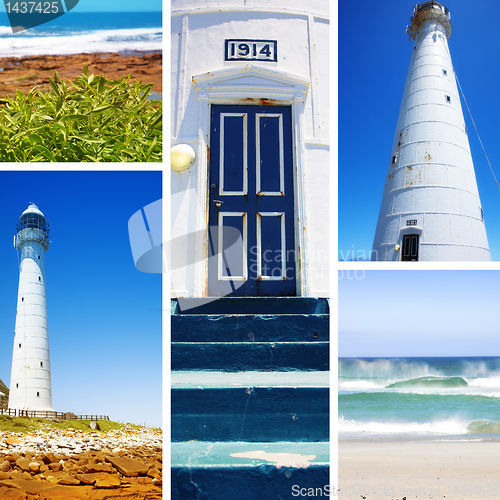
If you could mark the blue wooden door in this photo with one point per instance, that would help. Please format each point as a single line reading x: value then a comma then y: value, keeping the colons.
x: 251, y: 202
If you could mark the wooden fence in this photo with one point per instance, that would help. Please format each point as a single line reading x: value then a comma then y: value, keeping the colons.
x: 51, y: 415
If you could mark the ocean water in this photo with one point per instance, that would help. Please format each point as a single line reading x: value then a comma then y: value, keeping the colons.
x: 433, y: 399
x: 85, y: 32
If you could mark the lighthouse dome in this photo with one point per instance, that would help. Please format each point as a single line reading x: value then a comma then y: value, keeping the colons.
x: 33, y: 218
x: 33, y: 209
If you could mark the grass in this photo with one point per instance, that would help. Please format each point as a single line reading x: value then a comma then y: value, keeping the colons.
x: 28, y: 425
x: 90, y: 119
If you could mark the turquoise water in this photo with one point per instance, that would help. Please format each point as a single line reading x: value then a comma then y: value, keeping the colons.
x: 85, y: 32
x: 419, y: 398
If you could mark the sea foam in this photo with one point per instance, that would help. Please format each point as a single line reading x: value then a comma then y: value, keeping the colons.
x: 113, y: 40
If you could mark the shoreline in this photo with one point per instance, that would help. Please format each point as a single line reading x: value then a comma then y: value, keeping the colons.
x: 395, y: 470
x: 25, y: 72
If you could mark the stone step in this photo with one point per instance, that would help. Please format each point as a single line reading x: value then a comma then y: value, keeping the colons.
x: 250, y: 406
x: 251, y: 471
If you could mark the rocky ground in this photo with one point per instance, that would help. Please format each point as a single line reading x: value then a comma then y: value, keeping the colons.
x: 24, y: 73
x: 74, y: 465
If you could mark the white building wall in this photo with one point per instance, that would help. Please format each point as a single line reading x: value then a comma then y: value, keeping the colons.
x: 30, y: 373
x: 430, y: 177
x: 199, y: 29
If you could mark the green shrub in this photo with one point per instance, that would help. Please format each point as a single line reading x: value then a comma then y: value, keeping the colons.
x: 90, y: 119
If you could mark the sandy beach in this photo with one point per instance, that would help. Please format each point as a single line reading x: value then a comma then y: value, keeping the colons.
x: 374, y: 470
x: 23, y: 73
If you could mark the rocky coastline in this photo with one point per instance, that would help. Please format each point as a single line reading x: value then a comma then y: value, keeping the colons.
x: 74, y: 464
x: 24, y: 73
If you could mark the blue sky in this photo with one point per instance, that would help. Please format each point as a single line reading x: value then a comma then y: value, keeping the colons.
x: 374, y: 56
x: 104, y: 315
x: 418, y: 313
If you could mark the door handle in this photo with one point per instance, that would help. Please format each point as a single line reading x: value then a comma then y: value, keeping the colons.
x: 218, y: 203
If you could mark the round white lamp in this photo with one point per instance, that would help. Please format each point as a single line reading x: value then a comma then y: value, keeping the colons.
x: 182, y: 156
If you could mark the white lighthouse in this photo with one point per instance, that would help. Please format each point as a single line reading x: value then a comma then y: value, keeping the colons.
x: 30, y: 385
x: 430, y: 208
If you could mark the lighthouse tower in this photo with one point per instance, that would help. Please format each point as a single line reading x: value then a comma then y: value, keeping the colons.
x: 30, y: 386
x: 430, y: 208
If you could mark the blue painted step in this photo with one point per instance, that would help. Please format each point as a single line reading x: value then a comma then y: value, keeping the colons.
x: 250, y: 406
x: 250, y: 305
x: 252, y: 414
x: 252, y: 341
x: 222, y: 471
x: 239, y: 356
x: 250, y: 327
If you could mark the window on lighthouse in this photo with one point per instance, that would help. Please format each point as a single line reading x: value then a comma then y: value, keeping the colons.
x: 41, y: 363
x: 448, y: 98
x: 37, y: 394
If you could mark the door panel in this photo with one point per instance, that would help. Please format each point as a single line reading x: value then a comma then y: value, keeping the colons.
x: 232, y: 262
x: 251, y: 202
x: 233, y: 154
x: 270, y: 158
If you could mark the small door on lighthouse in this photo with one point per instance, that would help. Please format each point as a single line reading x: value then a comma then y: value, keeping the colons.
x: 410, y: 247
x: 251, y: 202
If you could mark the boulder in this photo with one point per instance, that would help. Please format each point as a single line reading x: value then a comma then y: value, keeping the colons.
x: 127, y: 466
x: 23, y: 464
x: 110, y: 481
x: 92, y: 468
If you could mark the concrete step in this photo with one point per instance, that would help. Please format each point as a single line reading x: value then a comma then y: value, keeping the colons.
x: 250, y: 406
x: 251, y: 471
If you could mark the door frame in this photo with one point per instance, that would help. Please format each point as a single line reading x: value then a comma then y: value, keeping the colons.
x: 417, y: 230
x: 246, y: 85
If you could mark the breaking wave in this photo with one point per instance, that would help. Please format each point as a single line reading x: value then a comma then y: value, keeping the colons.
x: 444, y: 427
x: 112, y: 40
x: 429, y: 382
